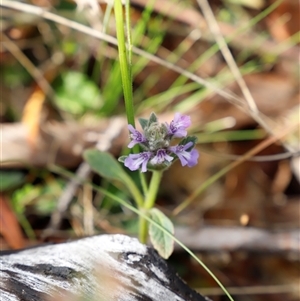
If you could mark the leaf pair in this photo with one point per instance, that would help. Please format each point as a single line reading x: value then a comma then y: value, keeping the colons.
x: 107, y: 166
x: 147, y: 122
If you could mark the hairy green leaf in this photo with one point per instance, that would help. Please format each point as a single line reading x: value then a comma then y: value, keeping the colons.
x: 143, y: 122
x: 152, y: 119
x: 105, y: 164
x: 163, y: 243
x: 108, y: 167
x: 122, y: 159
x: 10, y: 179
x: 187, y: 140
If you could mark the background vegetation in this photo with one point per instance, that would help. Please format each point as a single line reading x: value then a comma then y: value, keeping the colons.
x: 232, y: 65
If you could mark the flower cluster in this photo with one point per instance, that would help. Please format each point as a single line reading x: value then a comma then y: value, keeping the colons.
x: 158, y: 153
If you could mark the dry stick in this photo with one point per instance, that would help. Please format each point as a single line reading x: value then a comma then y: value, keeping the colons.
x: 194, y: 19
x: 266, y: 158
x: 65, y: 199
x: 27, y: 64
x: 88, y: 210
x: 230, y: 96
x: 234, y: 164
x: 104, y: 144
x: 240, y: 238
x: 215, y: 29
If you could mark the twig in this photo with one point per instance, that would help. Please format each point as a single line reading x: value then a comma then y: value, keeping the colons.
x: 105, y: 140
x: 266, y: 158
x: 27, y: 64
x: 214, y: 27
x: 65, y: 199
x: 235, y: 238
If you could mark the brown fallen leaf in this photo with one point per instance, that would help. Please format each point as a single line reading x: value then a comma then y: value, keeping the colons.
x: 32, y: 115
x: 283, y: 21
x: 9, y: 226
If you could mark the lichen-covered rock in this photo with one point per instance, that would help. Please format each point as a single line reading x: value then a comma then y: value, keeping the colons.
x: 98, y: 268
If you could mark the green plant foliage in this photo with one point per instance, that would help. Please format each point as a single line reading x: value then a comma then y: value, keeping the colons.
x: 105, y: 165
x: 143, y: 122
x: 20, y: 199
x: 77, y: 94
x: 108, y: 167
x: 14, y: 75
x: 125, y: 62
x: 46, y: 202
x: 163, y: 243
x: 188, y: 139
x: 10, y: 179
x: 69, y: 47
x: 65, y: 5
x: 24, y: 196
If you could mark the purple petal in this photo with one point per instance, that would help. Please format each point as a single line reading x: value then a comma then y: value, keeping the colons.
x: 182, y: 120
x: 193, y: 158
x: 136, y: 136
x: 134, y: 161
x: 178, y: 125
x: 189, y: 158
x: 132, y: 143
x: 131, y: 128
x: 160, y: 157
x: 183, y: 157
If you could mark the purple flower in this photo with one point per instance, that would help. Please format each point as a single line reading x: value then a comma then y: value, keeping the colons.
x: 136, y: 136
x: 134, y: 161
x: 160, y: 157
x: 189, y: 158
x: 178, y: 125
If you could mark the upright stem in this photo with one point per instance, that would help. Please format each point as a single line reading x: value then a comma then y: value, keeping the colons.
x: 148, y: 204
x: 143, y: 183
x: 143, y: 228
x: 125, y: 66
x: 153, y: 189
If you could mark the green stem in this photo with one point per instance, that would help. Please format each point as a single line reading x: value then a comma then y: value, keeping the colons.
x: 153, y: 189
x: 135, y: 192
x: 26, y: 226
x: 128, y: 32
x: 125, y: 57
x: 143, y: 228
x: 143, y: 183
x: 148, y: 204
x: 124, y: 62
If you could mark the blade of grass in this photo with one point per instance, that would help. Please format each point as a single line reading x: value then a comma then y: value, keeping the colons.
x: 124, y: 62
x: 213, y: 49
x: 159, y: 101
x: 223, y: 79
x: 35, y: 72
x: 125, y: 66
x: 129, y: 39
x: 214, y: 27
